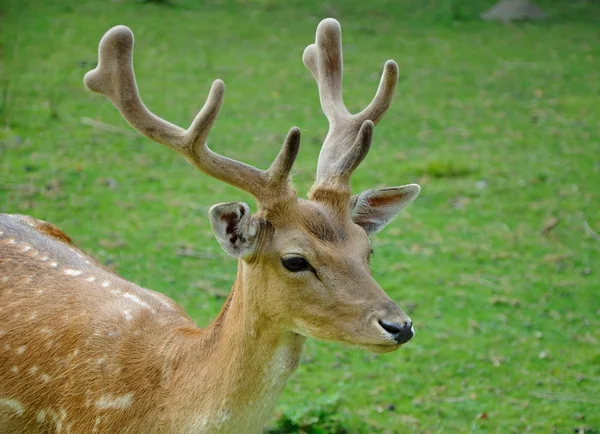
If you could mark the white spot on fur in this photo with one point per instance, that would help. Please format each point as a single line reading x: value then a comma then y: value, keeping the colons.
x: 2, y: 333
x: 162, y: 299
x: 4, y: 279
x: 96, y: 424
x: 14, y: 369
x: 33, y: 369
x: 26, y: 248
x: 53, y: 264
x: 40, y: 416
x: 127, y: 314
x: 44, y: 258
x: 224, y: 416
x: 33, y: 316
x: 100, y: 361
x: 91, y: 279
x: 70, y: 272
x: 115, y: 402
x: 57, y: 420
x: 136, y: 299
x: 10, y: 241
x: 45, y: 378
x: 115, y: 292
x: 79, y: 255
x: 75, y: 352
x: 21, y: 349
x: 106, y: 284
x: 28, y: 279
x: 40, y: 291
x: 13, y: 404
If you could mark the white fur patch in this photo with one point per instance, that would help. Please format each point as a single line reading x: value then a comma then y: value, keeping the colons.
x: 136, y: 299
x: 12, y: 404
x: 114, y: 402
x: 162, y: 299
x: 70, y: 272
x: 40, y: 416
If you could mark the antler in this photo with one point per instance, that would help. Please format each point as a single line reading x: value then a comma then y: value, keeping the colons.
x: 114, y: 77
x: 349, y: 136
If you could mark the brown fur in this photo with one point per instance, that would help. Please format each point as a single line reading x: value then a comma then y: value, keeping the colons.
x: 53, y: 231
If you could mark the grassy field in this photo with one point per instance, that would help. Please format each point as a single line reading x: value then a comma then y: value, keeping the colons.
x: 498, y: 261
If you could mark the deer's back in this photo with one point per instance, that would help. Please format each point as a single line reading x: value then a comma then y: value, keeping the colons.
x: 79, y: 347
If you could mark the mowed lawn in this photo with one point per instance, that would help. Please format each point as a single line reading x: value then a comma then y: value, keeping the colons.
x: 498, y: 261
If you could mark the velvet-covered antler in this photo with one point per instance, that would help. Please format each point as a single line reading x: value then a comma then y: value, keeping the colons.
x: 349, y: 136
x: 114, y: 77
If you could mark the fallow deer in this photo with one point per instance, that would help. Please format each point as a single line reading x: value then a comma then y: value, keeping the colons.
x: 84, y: 351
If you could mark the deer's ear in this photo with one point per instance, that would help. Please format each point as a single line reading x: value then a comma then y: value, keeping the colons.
x: 374, y: 209
x: 234, y: 228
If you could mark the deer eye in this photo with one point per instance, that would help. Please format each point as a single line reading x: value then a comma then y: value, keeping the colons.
x: 295, y: 263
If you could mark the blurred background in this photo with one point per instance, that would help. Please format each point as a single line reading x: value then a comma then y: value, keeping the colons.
x: 497, y: 262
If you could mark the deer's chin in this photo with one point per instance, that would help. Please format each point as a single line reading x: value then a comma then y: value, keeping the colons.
x: 379, y: 349
x: 372, y: 348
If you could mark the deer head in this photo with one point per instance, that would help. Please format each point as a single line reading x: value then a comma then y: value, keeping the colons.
x: 303, y: 263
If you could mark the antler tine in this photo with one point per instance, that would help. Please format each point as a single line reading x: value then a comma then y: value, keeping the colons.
x: 385, y: 93
x: 281, y: 167
x: 344, y: 167
x: 324, y: 60
x: 114, y: 77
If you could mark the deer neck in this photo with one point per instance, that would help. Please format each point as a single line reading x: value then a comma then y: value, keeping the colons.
x: 237, y: 367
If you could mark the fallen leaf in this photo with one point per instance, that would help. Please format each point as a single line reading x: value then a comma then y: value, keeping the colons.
x: 550, y: 224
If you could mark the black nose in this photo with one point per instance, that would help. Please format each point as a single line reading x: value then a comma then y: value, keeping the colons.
x: 401, y: 332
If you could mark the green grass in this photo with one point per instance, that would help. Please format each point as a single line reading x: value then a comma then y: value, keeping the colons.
x: 499, y: 124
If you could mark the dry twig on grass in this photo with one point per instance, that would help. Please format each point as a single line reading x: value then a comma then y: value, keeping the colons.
x: 588, y: 230
x: 565, y: 398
